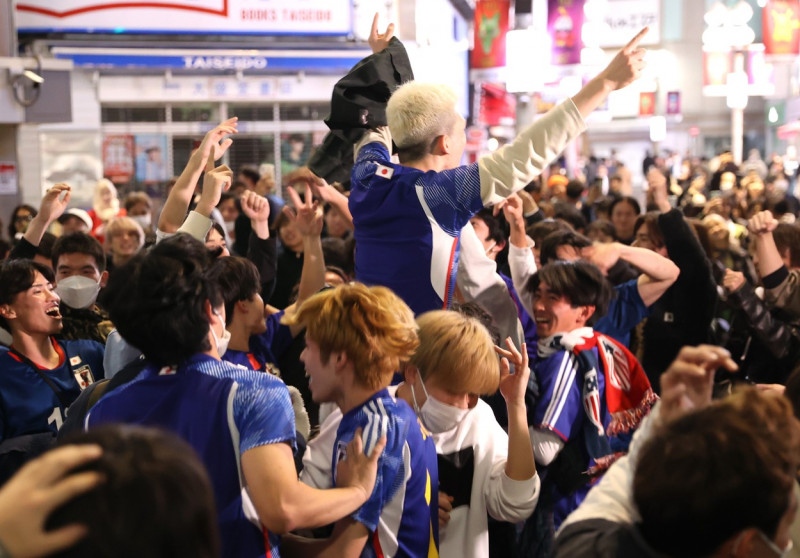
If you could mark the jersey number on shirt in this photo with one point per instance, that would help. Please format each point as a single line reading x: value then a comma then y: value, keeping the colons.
x: 55, y: 418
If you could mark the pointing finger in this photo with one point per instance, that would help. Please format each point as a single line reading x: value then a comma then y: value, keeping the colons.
x: 374, y: 31
x: 635, y: 41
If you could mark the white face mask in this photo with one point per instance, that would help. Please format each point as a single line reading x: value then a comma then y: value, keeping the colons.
x: 78, y: 292
x: 144, y: 220
x: 221, y: 342
x: 230, y: 226
x: 437, y: 416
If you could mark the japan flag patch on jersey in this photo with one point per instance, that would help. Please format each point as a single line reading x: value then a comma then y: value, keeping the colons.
x: 384, y: 171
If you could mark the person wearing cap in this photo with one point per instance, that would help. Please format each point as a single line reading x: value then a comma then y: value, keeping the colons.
x: 75, y: 220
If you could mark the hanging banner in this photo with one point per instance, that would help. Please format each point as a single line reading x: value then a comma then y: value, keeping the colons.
x: 490, y: 28
x: 118, y: 157
x: 647, y: 103
x: 564, y: 25
x: 781, y: 26
x: 673, y: 102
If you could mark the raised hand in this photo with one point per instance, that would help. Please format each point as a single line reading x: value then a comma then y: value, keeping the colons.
x: 358, y: 469
x: 761, y: 223
x: 307, y: 214
x: 254, y: 206
x: 603, y: 255
x: 213, y: 147
x: 513, y: 386
x: 689, y: 381
x: 215, y: 181
x: 627, y: 65
x: 512, y: 209
x: 41, y: 486
x: 54, y: 202
x: 379, y: 41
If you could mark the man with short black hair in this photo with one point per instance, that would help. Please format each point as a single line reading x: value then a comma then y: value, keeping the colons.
x: 591, y: 392
x: 79, y: 263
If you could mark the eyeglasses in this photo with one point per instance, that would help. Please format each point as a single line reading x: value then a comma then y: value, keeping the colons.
x: 23, y: 218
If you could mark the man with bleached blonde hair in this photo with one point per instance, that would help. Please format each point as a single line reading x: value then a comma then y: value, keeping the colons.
x: 408, y: 217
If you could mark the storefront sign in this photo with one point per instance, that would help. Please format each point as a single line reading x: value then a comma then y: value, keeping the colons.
x: 781, y: 26
x: 564, y: 23
x: 336, y: 62
x: 625, y: 18
x: 8, y: 177
x: 217, y: 17
x: 491, y: 26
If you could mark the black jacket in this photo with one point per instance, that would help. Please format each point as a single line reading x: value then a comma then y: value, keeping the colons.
x: 359, y: 103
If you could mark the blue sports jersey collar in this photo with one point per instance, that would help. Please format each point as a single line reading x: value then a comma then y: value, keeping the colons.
x: 382, y: 394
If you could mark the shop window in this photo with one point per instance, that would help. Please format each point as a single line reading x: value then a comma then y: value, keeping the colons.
x: 195, y: 113
x: 251, y: 113
x: 133, y: 114
x: 251, y: 151
x: 181, y: 151
x: 308, y: 111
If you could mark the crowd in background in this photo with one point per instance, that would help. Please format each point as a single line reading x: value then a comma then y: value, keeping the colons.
x: 554, y: 398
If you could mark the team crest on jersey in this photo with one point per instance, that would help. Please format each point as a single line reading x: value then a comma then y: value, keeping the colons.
x: 384, y: 171
x: 167, y: 371
x: 83, y: 375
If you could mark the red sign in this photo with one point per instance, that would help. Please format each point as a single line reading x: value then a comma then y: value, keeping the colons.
x: 118, y: 157
x: 647, y: 103
x: 491, y: 26
x: 781, y: 26
x: 498, y: 107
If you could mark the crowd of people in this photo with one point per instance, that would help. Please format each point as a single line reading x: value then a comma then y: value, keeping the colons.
x: 429, y: 359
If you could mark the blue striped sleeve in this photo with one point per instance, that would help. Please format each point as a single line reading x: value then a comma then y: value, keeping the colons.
x: 262, y: 411
x: 453, y: 196
x: 559, y: 402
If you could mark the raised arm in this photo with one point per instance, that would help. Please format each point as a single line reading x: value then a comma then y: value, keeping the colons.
x: 658, y: 272
x: 510, y: 168
x: 262, y: 249
x: 53, y: 205
x: 769, y: 258
x: 177, y: 203
x: 307, y: 217
x: 520, y: 257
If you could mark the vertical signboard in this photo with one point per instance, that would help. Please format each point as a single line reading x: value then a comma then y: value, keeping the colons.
x: 781, y: 26
x: 118, y: 157
x: 491, y: 26
x: 564, y: 25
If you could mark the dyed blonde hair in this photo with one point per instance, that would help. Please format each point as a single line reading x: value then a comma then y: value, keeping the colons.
x: 371, y: 325
x: 456, y: 353
x: 417, y: 113
x: 119, y: 224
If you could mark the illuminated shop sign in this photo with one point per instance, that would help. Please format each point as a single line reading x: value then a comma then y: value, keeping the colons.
x: 247, y: 17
